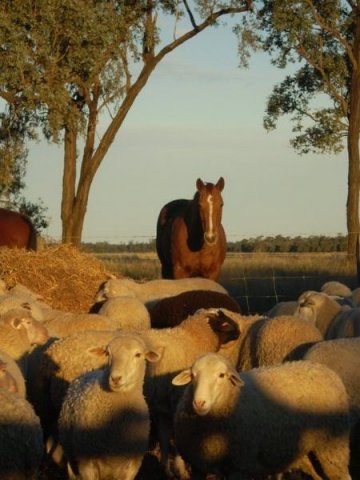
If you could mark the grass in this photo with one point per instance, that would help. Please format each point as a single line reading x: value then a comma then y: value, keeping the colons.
x: 256, y: 280
x: 140, y: 266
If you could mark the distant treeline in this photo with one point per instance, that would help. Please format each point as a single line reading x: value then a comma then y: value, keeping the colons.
x: 278, y: 243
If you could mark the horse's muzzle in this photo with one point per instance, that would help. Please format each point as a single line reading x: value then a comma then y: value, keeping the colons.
x: 210, y: 239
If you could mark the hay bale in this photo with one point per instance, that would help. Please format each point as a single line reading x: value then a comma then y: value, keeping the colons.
x: 64, y: 276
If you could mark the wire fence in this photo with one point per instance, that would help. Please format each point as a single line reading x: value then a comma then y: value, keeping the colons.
x: 256, y: 280
x: 258, y: 294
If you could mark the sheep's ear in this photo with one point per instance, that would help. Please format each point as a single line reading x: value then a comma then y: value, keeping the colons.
x: 182, y: 378
x: 26, y: 306
x: 154, y: 356
x: 98, y: 351
x: 17, y: 322
x: 235, y: 379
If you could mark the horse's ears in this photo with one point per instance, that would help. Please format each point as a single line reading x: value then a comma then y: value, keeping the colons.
x: 199, y: 184
x: 220, y: 184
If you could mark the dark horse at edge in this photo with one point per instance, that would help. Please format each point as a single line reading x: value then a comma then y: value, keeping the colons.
x: 190, y: 239
x: 17, y: 230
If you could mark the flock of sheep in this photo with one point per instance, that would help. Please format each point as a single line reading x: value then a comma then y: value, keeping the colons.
x: 173, y: 367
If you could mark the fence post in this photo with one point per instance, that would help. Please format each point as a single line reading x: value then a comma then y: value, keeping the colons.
x: 358, y: 258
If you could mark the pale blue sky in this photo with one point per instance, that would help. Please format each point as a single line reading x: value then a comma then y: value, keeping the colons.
x: 201, y: 116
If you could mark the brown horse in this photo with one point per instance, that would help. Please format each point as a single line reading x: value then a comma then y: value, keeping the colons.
x: 16, y: 230
x: 190, y: 240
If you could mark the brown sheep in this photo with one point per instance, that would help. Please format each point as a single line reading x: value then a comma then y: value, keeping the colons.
x: 170, y: 311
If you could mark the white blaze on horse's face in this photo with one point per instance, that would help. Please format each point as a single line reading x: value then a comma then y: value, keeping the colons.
x: 210, y: 209
x: 210, y: 235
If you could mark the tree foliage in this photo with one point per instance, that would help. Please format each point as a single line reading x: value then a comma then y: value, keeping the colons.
x: 315, y: 40
x: 14, y: 131
x: 69, y: 61
x: 320, y: 42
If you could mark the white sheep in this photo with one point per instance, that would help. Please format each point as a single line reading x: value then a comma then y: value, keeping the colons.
x: 332, y: 319
x: 319, y: 308
x: 3, y: 287
x: 61, y: 362
x: 334, y: 288
x: 22, y: 296
x: 10, y: 302
x: 345, y: 324
x: 282, y: 308
x: 267, y: 341
x: 68, y: 323
x: 127, y: 312
x: 276, y: 338
x: 21, y: 438
x: 153, y: 290
x: 343, y: 356
x: 19, y: 332
x: 265, y: 421
x: 21, y: 290
x: 11, y: 375
x: 7, y: 381
x: 104, y: 421
x: 208, y: 330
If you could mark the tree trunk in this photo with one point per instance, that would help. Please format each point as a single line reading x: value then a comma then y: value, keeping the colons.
x: 74, y: 201
x: 352, y: 206
x: 69, y: 181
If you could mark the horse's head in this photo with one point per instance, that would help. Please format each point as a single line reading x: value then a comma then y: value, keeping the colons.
x: 210, y: 208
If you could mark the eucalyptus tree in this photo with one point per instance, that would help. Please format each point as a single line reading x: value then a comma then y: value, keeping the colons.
x: 67, y: 61
x: 14, y: 131
x: 13, y: 157
x: 320, y: 40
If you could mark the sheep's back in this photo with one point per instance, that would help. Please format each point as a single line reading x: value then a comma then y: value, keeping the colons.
x: 279, y: 336
x: 21, y: 437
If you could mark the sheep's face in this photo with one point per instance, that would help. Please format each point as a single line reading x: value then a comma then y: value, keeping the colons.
x: 21, y: 320
x: 309, y: 305
x: 115, y: 288
x: 7, y: 381
x: 211, y: 377
x: 127, y: 358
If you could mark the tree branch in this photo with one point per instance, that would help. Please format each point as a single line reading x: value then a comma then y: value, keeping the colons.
x: 8, y: 97
x: 332, y: 91
x: 352, y: 4
x: 144, y: 75
x: 191, y: 16
x: 125, y: 64
x: 334, y: 32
